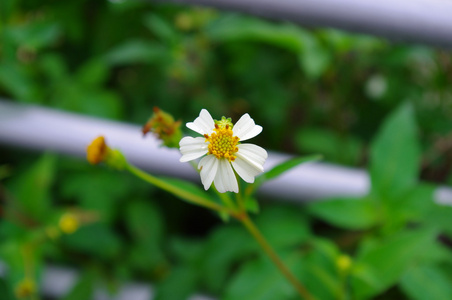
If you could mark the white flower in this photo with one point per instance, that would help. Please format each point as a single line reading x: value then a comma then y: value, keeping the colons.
x: 222, y: 147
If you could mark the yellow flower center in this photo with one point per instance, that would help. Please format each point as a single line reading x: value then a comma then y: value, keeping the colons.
x: 222, y: 143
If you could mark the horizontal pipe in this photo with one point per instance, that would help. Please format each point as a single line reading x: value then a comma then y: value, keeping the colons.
x: 418, y: 21
x: 45, y: 129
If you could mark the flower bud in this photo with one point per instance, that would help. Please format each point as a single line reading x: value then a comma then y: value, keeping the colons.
x: 69, y: 223
x: 98, y: 151
x: 25, y: 288
x: 164, y: 127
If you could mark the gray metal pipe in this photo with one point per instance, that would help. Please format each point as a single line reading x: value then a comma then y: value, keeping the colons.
x: 419, y: 21
x: 45, y: 129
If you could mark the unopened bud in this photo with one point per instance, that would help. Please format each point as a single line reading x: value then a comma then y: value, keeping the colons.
x: 97, y: 151
x: 69, y: 223
x: 25, y: 288
x: 164, y: 126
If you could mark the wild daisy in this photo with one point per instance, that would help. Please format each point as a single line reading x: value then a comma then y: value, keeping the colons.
x: 222, y: 148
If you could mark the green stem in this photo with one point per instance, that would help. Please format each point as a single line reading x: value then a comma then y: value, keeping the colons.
x: 179, y: 192
x: 251, y: 227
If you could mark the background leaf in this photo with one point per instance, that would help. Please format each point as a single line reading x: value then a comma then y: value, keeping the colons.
x: 347, y: 213
x: 426, y: 282
x: 395, y: 154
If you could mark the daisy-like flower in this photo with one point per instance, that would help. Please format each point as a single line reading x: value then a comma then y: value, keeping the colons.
x: 222, y: 148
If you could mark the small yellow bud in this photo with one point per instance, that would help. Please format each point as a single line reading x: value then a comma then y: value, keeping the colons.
x: 97, y: 151
x: 25, y: 288
x: 69, y: 223
x: 344, y: 262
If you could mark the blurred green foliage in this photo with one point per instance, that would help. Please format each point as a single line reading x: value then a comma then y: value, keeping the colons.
x: 356, y: 100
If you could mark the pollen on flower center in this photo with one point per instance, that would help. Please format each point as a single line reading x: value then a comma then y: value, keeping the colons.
x: 222, y: 143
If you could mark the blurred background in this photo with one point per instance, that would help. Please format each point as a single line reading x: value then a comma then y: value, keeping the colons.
x: 313, y: 90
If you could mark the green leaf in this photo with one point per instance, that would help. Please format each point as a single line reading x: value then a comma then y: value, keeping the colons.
x: 225, y: 247
x: 314, y: 59
x: 347, y: 213
x: 160, y: 27
x: 178, y: 285
x: 99, y: 190
x: 283, y: 226
x: 93, y: 73
x: 32, y: 189
x: 16, y: 80
x: 426, y: 282
x: 83, y: 289
x: 251, y: 204
x: 289, y: 164
x: 145, y: 224
x: 233, y: 27
x: 259, y: 280
x: 416, y: 205
x: 395, y: 154
x: 382, y: 263
x: 94, y: 239
x: 5, y: 290
x: 318, y: 271
x: 135, y: 51
x: 144, y: 221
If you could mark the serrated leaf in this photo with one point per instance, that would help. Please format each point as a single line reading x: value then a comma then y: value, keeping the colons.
x: 382, y: 264
x: 395, y: 154
x: 347, y: 213
x: 426, y: 282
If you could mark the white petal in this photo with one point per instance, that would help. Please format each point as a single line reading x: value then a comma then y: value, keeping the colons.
x: 245, y: 170
x: 209, y: 167
x: 250, y: 161
x: 225, y: 180
x: 203, y: 124
x: 192, y: 148
x: 245, y: 128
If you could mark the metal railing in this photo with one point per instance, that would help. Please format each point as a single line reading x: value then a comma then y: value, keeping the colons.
x: 419, y: 21
x: 47, y: 129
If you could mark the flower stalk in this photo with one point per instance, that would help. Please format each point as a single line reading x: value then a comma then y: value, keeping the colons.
x: 268, y: 249
x: 223, y: 157
x: 177, y: 191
